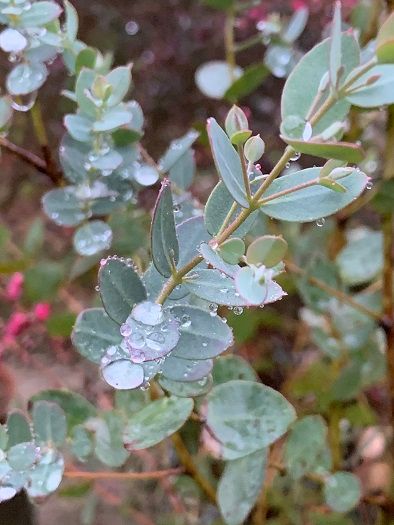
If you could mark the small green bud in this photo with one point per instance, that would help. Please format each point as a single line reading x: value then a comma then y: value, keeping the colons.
x: 235, y: 121
x: 254, y: 148
x: 101, y: 88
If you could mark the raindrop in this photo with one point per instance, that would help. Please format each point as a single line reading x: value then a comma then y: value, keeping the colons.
x: 296, y: 156
x: 369, y: 185
x: 97, y: 288
x: 132, y: 27
x: 320, y: 222
x: 24, y: 103
x: 213, y: 309
x: 137, y: 356
x: 307, y: 133
x: 185, y: 321
x: 238, y: 310
x: 125, y: 330
x: 137, y: 340
x: 287, y: 165
x: 123, y: 374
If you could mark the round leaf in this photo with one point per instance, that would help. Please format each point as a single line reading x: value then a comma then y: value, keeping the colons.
x: 94, y: 332
x: 246, y: 416
x: 156, y: 422
x: 268, y: 250
x: 92, y: 238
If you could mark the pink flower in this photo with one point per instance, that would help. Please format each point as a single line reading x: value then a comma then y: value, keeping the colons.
x: 42, y: 311
x: 15, y: 324
x: 13, y: 290
x: 298, y: 4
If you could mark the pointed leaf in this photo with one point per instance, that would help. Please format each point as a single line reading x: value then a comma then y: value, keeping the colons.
x: 297, y: 101
x: 164, y: 241
x: 310, y: 204
x: 328, y: 150
x: 120, y: 288
x: 227, y: 161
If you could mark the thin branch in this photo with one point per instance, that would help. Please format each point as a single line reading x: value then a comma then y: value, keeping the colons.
x: 39, y: 129
x: 190, y: 468
x: 25, y: 155
x: 338, y: 294
x: 155, y: 474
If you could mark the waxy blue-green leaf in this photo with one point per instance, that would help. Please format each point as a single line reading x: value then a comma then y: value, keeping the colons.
x: 342, y: 491
x: 297, y: 101
x: 214, y: 78
x: 94, y: 332
x: 191, y: 233
x: 154, y: 282
x: 177, y: 149
x: 376, y: 94
x: 245, y: 416
x: 314, y: 202
x: 71, y: 21
x: 227, y: 162
x: 22, y: 456
x: 230, y: 367
x: 187, y: 389
x: 335, y: 45
x: 18, y: 428
x: 40, y: 14
x: 182, y: 172
x: 83, y: 85
x: 109, y: 446
x: 26, y: 78
x: 5, y: 111
x: 213, y: 258
x: 217, y: 209
x: 120, y: 81
x: 232, y: 250
x: 385, y: 41
x: 120, y: 288
x: 345, y: 151
x: 81, y: 443
x: 156, y: 422
x: 296, y: 25
x: 254, y: 292
x: 202, y: 335
x: 179, y: 369
x: 306, y: 448
x: 93, y: 237
x: 77, y: 408
x: 112, y: 119
x: 361, y: 260
x: 164, y: 241
x: 213, y: 286
x: 49, y: 422
x: 240, y: 486
x: 268, y: 250
x: 79, y: 127
x: 46, y: 475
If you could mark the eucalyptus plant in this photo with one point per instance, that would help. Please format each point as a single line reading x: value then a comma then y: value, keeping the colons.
x: 159, y: 336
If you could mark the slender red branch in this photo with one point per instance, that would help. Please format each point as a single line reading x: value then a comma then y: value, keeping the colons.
x: 154, y: 474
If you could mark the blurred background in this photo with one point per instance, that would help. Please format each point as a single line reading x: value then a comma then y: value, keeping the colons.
x: 43, y: 284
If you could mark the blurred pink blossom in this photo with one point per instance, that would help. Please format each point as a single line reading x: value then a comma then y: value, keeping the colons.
x: 42, y: 311
x: 14, y: 287
x: 15, y: 324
